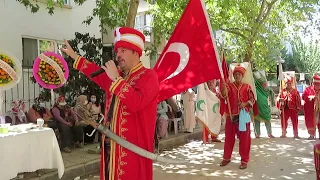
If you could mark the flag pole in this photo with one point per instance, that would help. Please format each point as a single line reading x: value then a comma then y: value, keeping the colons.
x: 316, y: 114
x: 225, y: 85
x: 252, y: 119
x: 281, y: 89
x: 282, y: 109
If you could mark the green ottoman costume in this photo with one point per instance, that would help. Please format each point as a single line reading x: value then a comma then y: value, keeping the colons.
x: 263, y: 95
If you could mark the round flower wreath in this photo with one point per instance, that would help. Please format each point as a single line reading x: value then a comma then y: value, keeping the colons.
x: 10, y: 71
x: 50, y: 70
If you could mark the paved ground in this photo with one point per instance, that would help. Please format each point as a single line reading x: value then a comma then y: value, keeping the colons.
x: 271, y: 159
x: 79, y: 162
x: 75, y: 158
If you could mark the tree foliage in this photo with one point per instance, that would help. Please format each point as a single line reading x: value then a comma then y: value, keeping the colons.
x: 111, y: 13
x: 304, y: 57
x: 77, y: 84
x: 253, y: 30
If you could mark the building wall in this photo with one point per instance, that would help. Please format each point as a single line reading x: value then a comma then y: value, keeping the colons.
x: 21, y: 23
x: 141, y: 23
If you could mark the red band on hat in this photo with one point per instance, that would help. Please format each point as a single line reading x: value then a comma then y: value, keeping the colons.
x: 289, y: 79
x: 316, y: 79
x: 129, y: 38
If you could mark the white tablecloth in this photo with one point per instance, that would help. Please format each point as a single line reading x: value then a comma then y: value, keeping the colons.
x: 29, y: 151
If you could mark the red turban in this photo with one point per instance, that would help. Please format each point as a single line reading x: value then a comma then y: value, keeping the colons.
x: 239, y: 69
x: 129, y: 38
x: 316, y: 78
x: 289, y: 79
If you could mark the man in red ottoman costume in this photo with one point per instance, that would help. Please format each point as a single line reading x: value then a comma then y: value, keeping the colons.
x: 241, y: 96
x: 290, y: 105
x: 134, y: 92
x: 308, y: 97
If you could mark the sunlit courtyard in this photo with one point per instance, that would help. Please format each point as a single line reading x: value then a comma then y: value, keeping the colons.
x: 276, y: 158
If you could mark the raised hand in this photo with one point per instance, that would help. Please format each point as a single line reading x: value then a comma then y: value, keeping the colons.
x: 111, y: 69
x: 68, y: 50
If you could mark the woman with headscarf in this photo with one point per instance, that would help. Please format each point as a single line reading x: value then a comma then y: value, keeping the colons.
x: 82, y: 110
x: 38, y: 110
x: 68, y: 124
x: 189, y: 110
x: 95, y: 108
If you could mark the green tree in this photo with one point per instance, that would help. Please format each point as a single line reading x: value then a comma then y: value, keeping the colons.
x: 304, y: 57
x: 254, y: 30
x: 111, y: 13
x: 78, y: 83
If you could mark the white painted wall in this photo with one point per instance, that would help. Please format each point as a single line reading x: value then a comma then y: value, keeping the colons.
x: 145, y: 60
x: 17, y: 22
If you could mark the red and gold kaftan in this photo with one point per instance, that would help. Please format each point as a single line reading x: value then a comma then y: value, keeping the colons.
x: 309, y: 109
x: 238, y: 94
x: 289, y: 109
x: 134, y: 118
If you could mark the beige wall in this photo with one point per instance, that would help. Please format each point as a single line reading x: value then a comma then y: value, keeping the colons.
x: 18, y: 22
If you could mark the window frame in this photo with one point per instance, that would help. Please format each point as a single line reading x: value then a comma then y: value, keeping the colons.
x: 55, y: 42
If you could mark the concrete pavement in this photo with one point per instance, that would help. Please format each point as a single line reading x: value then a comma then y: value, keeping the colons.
x: 80, y: 163
x: 271, y: 159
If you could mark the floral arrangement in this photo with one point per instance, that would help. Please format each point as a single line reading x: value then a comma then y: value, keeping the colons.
x: 47, y: 72
x: 50, y: 70
x: 5, y: 78
x: 10, y: 71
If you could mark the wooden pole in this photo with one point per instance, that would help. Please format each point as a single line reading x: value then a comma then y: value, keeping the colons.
x: 227, y: 93
x: 282, y: 108
x: 316, y: 113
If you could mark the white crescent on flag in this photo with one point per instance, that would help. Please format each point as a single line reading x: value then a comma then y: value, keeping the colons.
x: 208, y: 109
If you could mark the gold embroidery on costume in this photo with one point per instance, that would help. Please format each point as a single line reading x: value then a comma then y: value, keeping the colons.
x: 124, y: 88
x: 124, y: 129
x: 122, y: 123
x: 125, y: 113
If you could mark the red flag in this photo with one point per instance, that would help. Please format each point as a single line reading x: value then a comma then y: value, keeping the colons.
x: 189, y: 57
x: 225, y: 70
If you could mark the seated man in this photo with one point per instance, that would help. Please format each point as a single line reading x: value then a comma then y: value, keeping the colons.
x: 68, y: 124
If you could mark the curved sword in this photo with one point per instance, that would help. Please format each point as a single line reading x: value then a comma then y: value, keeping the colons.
x: 130, y: 146
x: 102, y: 118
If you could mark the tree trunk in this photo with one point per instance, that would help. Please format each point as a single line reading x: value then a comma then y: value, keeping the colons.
x: 132, y: 13
x: 249, y: 52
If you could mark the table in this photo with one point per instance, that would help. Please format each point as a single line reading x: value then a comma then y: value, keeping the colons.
x: 29, y: 151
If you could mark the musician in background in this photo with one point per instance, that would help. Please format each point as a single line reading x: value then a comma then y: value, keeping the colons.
x: 290, y: 105
x: 309, y: 106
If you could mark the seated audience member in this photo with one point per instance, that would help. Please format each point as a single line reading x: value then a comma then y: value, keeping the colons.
x: 69, y: 126
x: 95, y: 108
x: 38, y: 110
x: 162, y: 120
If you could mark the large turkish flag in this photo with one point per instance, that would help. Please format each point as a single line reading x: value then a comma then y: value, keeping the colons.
x: 190, y: 57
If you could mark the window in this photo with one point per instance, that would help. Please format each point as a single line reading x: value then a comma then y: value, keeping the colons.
x: 32, y: 48
x: 140, y: 21
x: 65, y: 2
x: 143, y: 23
x: 107, y: 51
